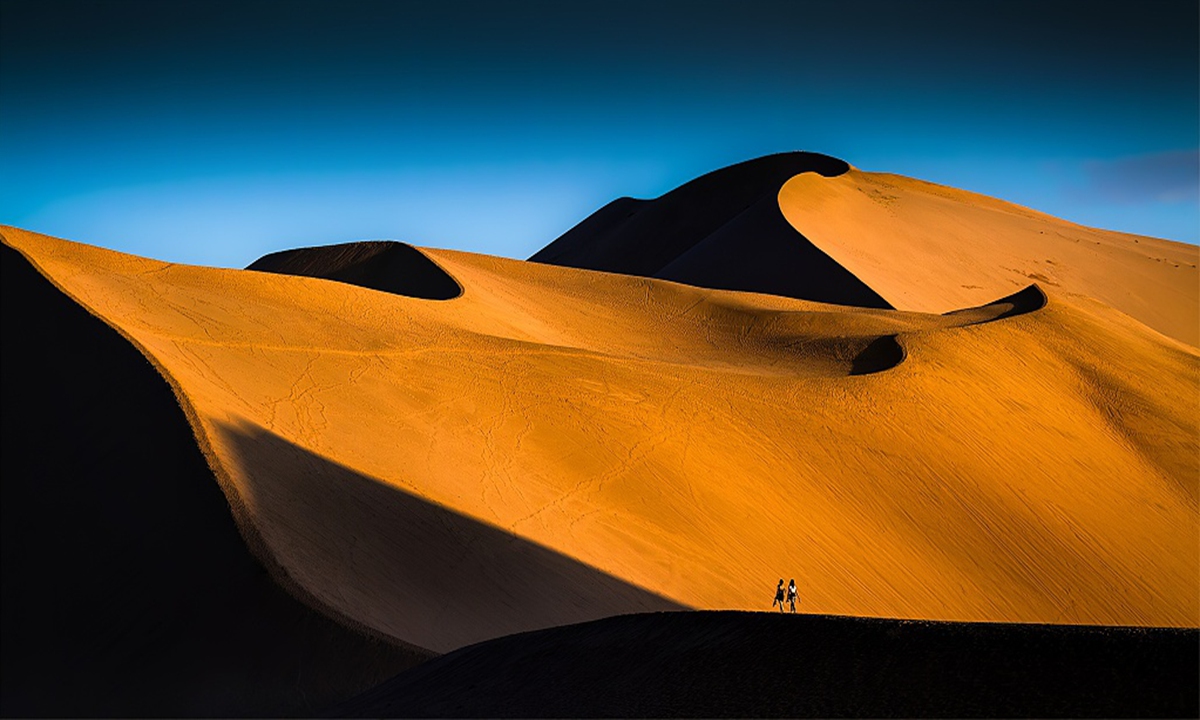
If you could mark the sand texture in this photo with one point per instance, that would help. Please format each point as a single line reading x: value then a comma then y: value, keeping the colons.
x: 264, y: 491
x: 932, y: 248
x: 808, y: 226
x: 127, y: 587
x: 556, y: 445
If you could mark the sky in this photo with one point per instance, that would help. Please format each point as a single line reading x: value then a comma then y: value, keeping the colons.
x: 214, y: 132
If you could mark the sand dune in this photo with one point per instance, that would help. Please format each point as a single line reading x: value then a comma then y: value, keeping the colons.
x: 947, y: 408
x: 722, y: 230
x: 388, y: 266
x: 556, y: 445
x: 931, y: 248
x: 732, y: 664
x: 127, y: 588
x: 811, y: 227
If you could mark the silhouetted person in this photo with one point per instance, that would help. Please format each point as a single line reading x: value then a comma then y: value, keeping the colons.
x: 778, y: 595
x: 791, y: 595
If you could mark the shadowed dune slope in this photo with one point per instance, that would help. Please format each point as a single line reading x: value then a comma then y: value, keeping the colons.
x: 722, y: 230
x: 126, y: 587
x: 808, y: 226
x: 380, y: 265
x: 733, y: 664
x: 932, y: 248
x: 635, y: 444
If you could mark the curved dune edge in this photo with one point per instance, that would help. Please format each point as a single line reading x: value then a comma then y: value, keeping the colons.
x: 384, y: 265
x: 722, y: 230
x: 237, y: 506
x: 129, y: 589
x: 931, y: 248
x: 1024, y: 301
x: 628, y: 598
x: 491, y: 336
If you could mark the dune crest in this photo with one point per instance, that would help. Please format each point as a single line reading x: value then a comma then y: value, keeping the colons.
x: 128, y: 590
x: 387, y: 266
x: 930, y: 248
x: 722, y: 230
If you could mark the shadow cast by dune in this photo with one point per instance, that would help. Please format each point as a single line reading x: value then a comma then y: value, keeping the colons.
x: 388, y: 266
x: 723, y: 230
x: 421, y: 572
x: 738, y: 664
x: 1026, y: 300
x: 127, y: 589
x: 883, y: 353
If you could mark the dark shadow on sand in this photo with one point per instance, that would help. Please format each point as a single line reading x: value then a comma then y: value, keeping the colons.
x: 722, y: 230
x: 883, y: 353
x: 738, y: 664
x: 388, y: 266
x: 406, y: 556
x: 1027, y: 300
x: 126, y: 587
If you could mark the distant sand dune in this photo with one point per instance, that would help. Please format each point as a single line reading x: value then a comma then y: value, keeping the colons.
x: 388, y: 266
x: 932, y: 248
x: 722, y: 230
x: 808, y: 226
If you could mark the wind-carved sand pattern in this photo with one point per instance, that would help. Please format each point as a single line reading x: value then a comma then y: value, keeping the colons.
x: 437, y: 448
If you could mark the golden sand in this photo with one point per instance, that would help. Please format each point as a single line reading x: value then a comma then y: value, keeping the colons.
x: 1020, y: 464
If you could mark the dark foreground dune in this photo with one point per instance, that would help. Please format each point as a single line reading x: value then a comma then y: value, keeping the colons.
x: 722, y: 230
x: 739, y: 664
x: 127, y: 589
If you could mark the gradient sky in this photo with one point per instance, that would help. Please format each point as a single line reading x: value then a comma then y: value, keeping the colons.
x: 214, y: 132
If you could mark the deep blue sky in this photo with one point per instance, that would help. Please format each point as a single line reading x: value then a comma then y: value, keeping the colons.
x: 214, y: 132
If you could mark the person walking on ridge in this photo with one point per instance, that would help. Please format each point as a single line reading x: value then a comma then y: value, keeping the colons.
x: 791, y: 595
x: 778, y: 596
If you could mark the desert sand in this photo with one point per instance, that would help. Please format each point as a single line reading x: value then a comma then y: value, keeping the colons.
x: 128, y: 590
x: 739, y: 664
x: 436, y: 448
x: 933, y: 248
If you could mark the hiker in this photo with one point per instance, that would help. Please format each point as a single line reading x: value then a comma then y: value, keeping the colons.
x: 778, y: 595
x: 791, y: 594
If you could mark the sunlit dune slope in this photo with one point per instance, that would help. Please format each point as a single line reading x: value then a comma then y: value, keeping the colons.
x: 127, y: 589
x: 811, y: 227
x: 932, y: 248
x: 556, y: 444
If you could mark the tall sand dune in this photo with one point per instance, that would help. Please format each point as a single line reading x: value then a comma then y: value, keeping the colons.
x: 812, y: 227
x: 555, y: 445
x: 932, y: 248
x: 722, y: 230
x: 127, y: 588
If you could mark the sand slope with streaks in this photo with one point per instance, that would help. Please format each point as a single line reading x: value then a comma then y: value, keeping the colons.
x: 555, y: 445
x: 127, y: 588
x: 812, y: 227
x: 933, y: 248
